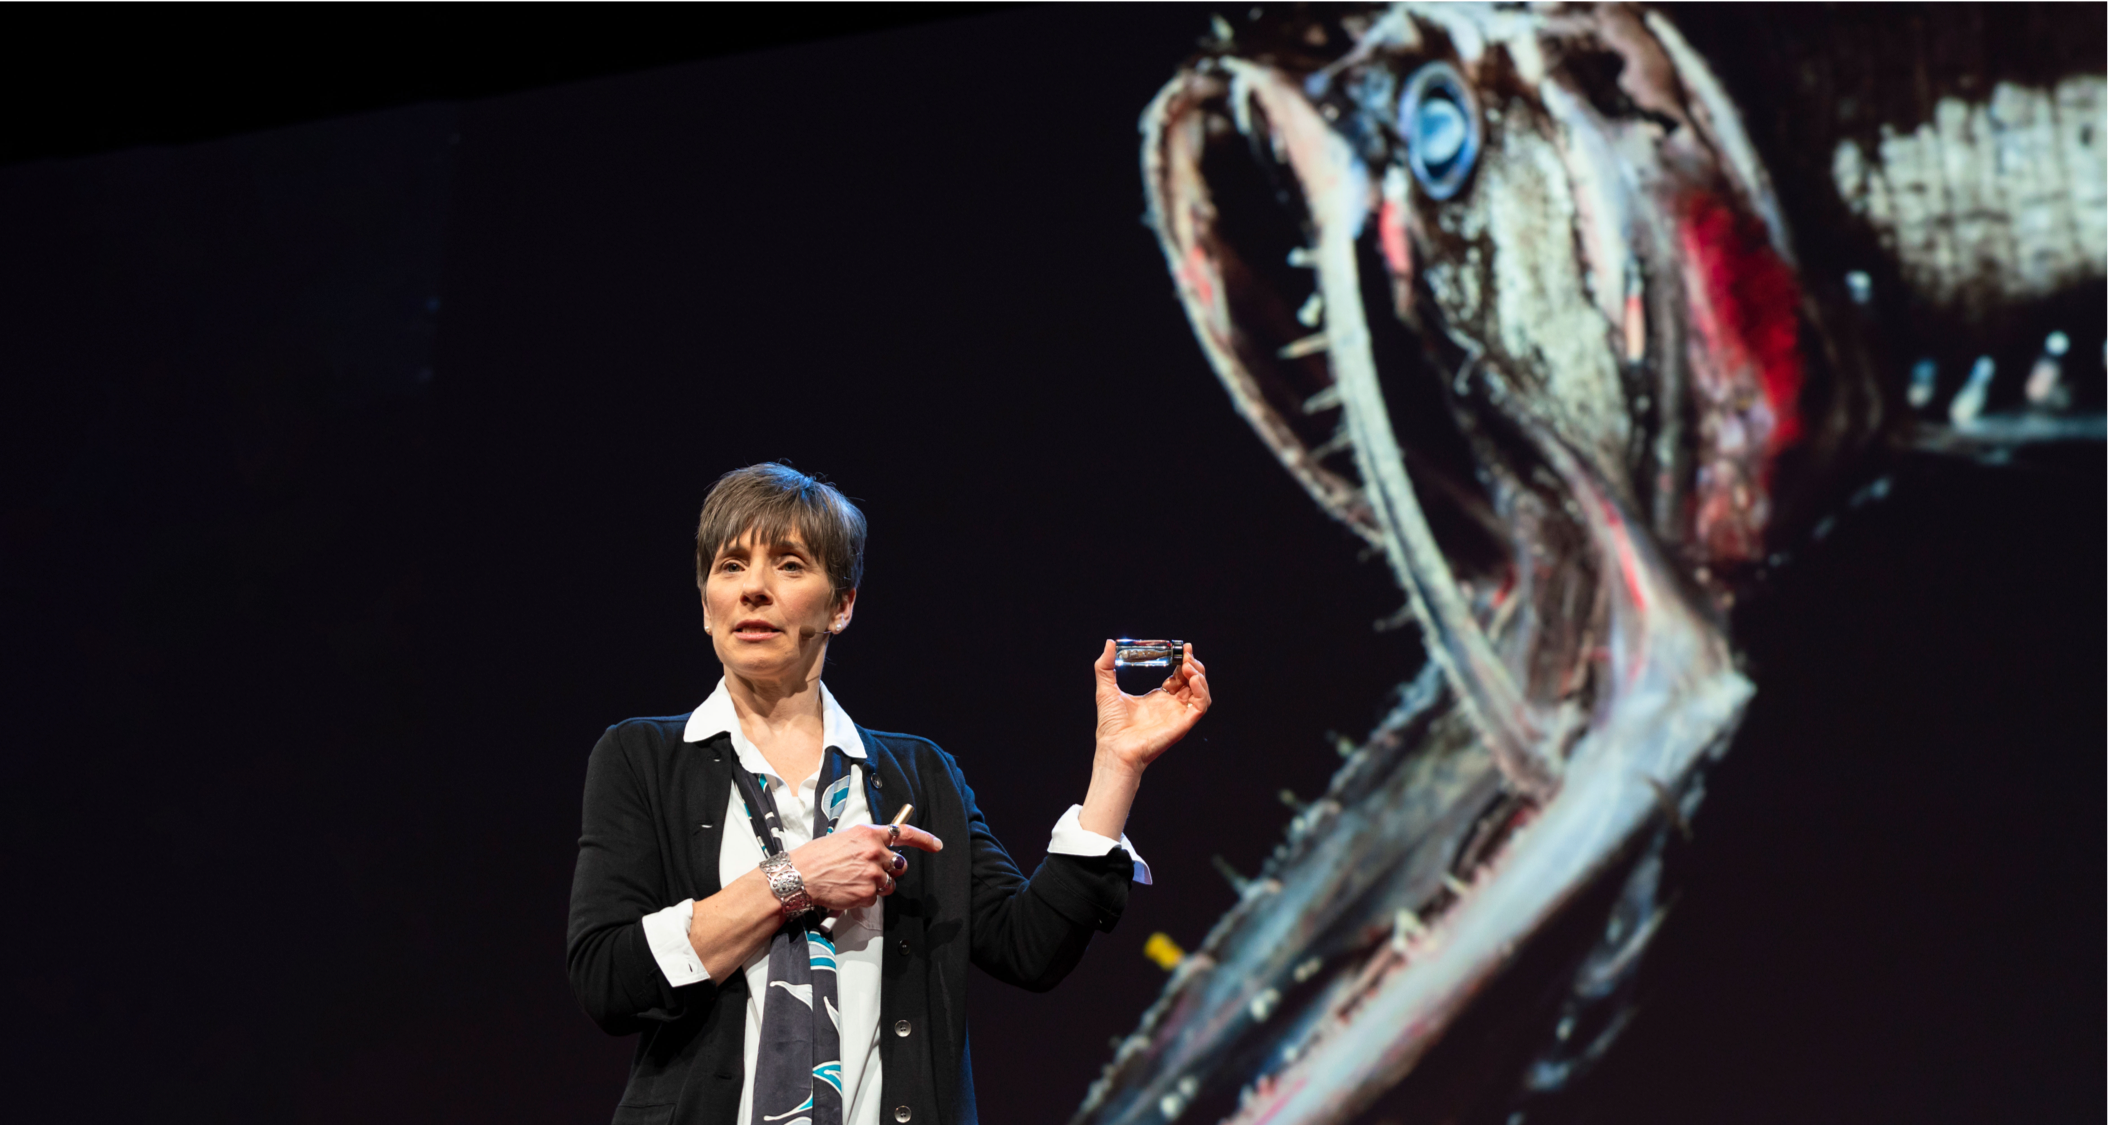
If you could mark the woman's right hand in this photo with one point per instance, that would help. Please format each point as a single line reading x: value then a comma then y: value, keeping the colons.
x: 854, y: 868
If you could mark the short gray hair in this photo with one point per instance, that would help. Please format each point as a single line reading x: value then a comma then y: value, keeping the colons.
x: 774, y: 501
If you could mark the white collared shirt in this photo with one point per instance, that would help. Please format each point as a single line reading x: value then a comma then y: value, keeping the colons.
x: 858, y: 934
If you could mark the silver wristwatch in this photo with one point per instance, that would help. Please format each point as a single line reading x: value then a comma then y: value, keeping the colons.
x: 787, y: 885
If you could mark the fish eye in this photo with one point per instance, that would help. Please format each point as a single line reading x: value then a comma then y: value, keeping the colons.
x: 1441, y: 129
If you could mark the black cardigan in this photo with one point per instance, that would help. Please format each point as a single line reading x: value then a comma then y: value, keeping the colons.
x: 654, y: 817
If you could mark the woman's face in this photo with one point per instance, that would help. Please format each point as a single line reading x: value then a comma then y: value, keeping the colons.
x: 769, y: 609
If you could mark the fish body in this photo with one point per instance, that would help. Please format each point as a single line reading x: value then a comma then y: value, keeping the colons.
x: 1512, y: 293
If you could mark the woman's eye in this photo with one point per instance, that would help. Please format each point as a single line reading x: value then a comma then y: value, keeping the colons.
x: 1440, y: 126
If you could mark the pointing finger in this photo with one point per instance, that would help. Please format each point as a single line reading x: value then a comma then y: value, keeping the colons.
x: 913, y: 837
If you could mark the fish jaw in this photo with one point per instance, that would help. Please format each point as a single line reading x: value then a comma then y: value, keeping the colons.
x: 1678, y: 700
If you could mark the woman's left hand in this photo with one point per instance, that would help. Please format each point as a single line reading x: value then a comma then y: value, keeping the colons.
x: 1134, y: 730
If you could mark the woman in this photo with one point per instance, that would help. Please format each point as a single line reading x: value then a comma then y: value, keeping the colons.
x: 743, y: 895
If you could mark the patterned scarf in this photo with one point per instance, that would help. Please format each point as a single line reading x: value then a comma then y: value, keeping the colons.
x: 798, y: 1072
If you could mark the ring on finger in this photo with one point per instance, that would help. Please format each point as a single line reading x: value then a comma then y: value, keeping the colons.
x: 900, y: 863
x: 892, y: 834
x: 889, y: 884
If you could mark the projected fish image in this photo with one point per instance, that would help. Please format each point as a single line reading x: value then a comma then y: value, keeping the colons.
x: 1511, y: 294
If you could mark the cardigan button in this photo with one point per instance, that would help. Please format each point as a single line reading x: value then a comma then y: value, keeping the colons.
x: 902, y: 1113
x: 902, y: 1028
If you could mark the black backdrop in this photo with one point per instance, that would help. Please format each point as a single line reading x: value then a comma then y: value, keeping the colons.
x: 349, y: 475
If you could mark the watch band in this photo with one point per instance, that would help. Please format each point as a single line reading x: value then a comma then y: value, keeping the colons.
x: 788, y: 886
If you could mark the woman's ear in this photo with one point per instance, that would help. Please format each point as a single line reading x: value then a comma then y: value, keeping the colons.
x: 843, y: 611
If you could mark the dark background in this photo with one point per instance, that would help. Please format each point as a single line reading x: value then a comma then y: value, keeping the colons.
x: 350, y: 474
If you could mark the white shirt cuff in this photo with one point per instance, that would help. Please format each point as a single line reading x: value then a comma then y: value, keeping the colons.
x: 1072, y: 838
x: 666, y: 933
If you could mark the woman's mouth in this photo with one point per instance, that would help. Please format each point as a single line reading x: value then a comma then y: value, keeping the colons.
x: 754, y: 630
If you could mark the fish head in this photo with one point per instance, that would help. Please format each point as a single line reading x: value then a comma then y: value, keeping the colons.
x: 1507, y: 290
